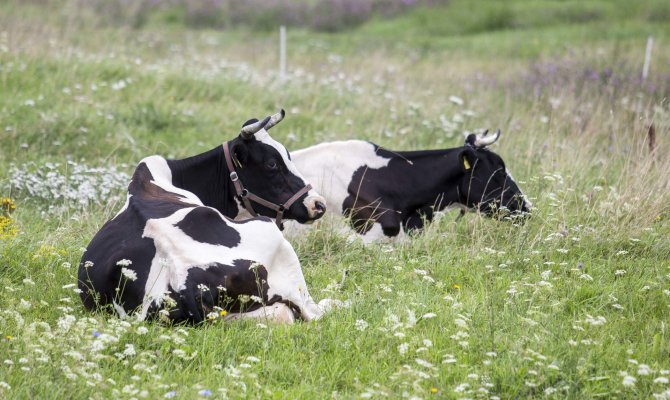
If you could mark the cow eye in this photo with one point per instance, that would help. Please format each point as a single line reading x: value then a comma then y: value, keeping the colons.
x: 272, y: 164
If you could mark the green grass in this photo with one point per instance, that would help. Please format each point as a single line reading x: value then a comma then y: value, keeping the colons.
x: 545, y: 311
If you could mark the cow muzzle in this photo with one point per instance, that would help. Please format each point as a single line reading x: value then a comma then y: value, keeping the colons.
x: 316, y: 207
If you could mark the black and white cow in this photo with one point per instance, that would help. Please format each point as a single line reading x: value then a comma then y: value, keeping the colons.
x: 174, y: 250
x: 386, y: 193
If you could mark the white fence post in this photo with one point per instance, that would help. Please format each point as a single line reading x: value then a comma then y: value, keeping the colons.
x: 647, y: 58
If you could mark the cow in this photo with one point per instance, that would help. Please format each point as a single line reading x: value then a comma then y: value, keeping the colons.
x: 175, y: 252
x: 387, y: 193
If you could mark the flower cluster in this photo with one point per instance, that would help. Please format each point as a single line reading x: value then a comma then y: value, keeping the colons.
x: 69, y: 187
x: 8, y: 227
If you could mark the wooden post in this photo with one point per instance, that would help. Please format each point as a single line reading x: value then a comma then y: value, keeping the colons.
x: 282, y: 52
x: 651, y: 137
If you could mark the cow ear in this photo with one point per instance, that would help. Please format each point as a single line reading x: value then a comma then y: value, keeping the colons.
x: 467, y: 159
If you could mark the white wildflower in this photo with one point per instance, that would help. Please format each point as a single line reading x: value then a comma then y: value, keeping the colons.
x: 361, y: 324
x: 456, y: 100
x: 629, y: 381
x: 129, y: 351
x: 449, y: 359
x: 123, y: 263
x: 423, y: 363
x: 129, y: 274
x: 643, y: 369
x: 403, y: 347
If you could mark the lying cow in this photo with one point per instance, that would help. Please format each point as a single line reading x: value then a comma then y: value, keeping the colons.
x: 174, y: 250
x: 386, y: 193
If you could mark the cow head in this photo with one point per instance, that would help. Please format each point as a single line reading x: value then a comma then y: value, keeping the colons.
x: 487, y: 184
x: 266, y: 169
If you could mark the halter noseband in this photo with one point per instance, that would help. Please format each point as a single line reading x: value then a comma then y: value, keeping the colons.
x: 247, y: 197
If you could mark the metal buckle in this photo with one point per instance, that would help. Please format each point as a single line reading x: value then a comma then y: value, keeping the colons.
x: 244, y: 193
x: 234, y: 177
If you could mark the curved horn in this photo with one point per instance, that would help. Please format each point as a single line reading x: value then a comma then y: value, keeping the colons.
x: 248, y: 131
x: 484, y: 140
x: 275, y: 119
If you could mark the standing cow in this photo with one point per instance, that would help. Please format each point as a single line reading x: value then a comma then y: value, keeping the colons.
x: 175, y: 251
x: 386, y: 193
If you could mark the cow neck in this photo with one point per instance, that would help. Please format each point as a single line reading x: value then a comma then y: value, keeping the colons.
x: 206, y: 176
x: 430, y: 172
x: 246, y: 197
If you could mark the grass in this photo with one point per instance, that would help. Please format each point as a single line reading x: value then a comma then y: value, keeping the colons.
x: 573, y: 304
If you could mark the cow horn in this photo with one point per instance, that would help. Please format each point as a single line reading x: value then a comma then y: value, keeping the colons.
x: 484, y: 140
x: 275, y: 119
x: 248, y: 131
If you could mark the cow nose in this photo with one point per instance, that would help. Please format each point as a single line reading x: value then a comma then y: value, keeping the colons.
x: 316, y: 207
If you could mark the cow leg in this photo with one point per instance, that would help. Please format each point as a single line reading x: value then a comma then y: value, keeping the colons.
x: 285, y: 279
x: 278, y: 312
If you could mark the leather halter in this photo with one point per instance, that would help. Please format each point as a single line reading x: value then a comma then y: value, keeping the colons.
x: 247, y: 197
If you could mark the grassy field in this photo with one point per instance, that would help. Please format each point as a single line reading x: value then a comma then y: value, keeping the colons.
x: 573, y: 304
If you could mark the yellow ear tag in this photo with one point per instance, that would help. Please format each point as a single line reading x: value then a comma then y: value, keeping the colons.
x: 466, y: 164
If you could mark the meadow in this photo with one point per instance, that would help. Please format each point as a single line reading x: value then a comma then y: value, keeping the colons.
x: 575, y: 303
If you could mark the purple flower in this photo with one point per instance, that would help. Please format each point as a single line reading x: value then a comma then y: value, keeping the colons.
x: 170, y: 394
x: 205, y: 392
x: 96, y: 333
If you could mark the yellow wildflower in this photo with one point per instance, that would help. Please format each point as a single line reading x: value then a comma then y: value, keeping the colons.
x: 7, y: 204
x: 456, y: 286
x: 433, y: 390
x: 223, y: 313
x: 8, y: 228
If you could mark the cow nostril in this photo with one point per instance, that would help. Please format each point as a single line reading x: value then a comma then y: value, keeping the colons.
x: 319, y: 206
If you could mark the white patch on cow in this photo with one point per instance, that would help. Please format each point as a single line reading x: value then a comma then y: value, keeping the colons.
x: 529, y: 204
x: 261, y: 242
x: 162, y: 177
x: 330, y: 166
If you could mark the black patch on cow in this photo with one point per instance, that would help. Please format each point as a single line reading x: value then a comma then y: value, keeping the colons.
x: 205, y: 225
x: 219, y: 285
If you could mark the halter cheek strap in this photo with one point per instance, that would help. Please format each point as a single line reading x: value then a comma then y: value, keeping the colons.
x: 247, y: 197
